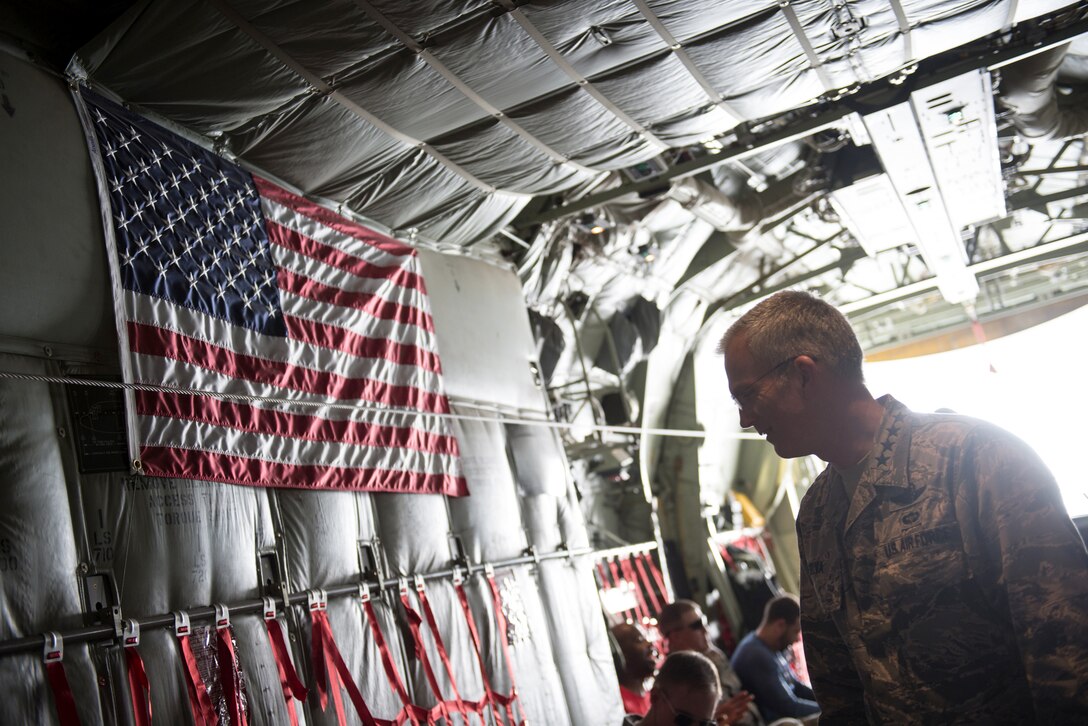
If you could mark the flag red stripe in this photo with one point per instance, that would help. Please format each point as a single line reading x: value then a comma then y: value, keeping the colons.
x: 360, y: 346
x: 373, y: 305
x: 152, y: 340
x: 298, y: 242
x: 244, y: 417
x: 330, y: 219
x: 212, y: 466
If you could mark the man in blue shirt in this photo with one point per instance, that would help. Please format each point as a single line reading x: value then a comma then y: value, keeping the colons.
x: 762, y: 667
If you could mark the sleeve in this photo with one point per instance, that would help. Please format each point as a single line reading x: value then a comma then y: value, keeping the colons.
x: 835, y: 682
x: 1025, y: 548
x: 802, y: 691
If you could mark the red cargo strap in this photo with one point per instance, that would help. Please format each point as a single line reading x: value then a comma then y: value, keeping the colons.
x: 58, y: 681
x: 645, y: 579
x: 414, y: 620
x: 410, y: 712
x: 228, y: 667
x: 330, y: 670
x: 200, y: 704
x: 657, y: 575
x: 500, y: 621
x: 489, y: 694
x: 289, y: 681
x: 632, y: 582
x: 138, y: 687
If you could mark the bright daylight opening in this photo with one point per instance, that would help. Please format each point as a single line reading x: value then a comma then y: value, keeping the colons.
x: 1036, y: 392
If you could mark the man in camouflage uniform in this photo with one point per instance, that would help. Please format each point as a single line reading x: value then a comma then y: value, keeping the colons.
x: 942, y: 580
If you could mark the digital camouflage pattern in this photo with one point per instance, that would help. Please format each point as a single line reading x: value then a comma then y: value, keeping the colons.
x: 953, y: 588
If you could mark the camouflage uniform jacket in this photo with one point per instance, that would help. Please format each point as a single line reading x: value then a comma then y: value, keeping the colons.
x: 952, y: 588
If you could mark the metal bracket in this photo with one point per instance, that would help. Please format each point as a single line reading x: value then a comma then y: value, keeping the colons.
x: 54, y: 648
x: 130, y: 634
x: 118, y: 623
x: 222, y: 616
x: 181, y: 623
x: 268, y: 572
x: 370, y: 562
x: 317, y: 600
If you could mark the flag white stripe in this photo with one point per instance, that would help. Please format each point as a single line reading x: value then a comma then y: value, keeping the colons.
x: 333, y: 276
x: 318, y: 232
x: 175, y: 433
x: 360, y: 323
x: 169, y: 372
x: 244, y: 341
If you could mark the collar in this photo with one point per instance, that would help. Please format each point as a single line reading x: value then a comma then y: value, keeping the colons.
x: 888, y: 461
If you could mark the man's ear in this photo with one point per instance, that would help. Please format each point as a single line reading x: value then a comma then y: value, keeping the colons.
x: 806, y: 366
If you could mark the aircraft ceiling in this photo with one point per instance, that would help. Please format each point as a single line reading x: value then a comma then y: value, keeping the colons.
x: 683, y: 153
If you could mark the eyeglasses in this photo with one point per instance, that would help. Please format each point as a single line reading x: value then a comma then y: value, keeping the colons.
x: 744, y: 397
x: 679, y: 718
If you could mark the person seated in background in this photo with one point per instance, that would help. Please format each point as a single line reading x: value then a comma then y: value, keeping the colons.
x: 762, y: 667
x: 685, y: 693
x: 634, y: 666
x: 683, y: 626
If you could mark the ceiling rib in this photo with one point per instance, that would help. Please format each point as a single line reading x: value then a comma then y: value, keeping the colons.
x: 438, y: 66
x: 584, y: 83
x: 799, y: 33
x: 320, y: 86
x: 904, y: 28
x: 683, y: 57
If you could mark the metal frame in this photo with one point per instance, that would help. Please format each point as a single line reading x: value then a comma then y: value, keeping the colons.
x: 872, y: 97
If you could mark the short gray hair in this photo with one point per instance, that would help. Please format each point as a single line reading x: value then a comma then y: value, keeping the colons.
x: 797, y: 323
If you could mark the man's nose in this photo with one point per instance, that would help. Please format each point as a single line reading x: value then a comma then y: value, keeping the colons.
x: 746, y: 419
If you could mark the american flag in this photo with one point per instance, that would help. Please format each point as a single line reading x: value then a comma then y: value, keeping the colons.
x: 227, y: 283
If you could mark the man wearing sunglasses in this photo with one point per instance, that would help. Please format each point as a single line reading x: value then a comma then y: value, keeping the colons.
x: 685, y: 693
x: 683, y: 626
x: 942, y: 580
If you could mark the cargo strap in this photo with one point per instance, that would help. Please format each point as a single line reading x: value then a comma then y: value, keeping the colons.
x: 503, y: 635
x: 330, y: 670
x: 443, y: 707
x: 228, y: 667
x: 138, y: 687
x: 200, y: 704
x: 409, y: 711
x: 497, y: 701
x: 289, y: 681
x: 58, y: 681
x: 657, y: 575
x: 645, y: 579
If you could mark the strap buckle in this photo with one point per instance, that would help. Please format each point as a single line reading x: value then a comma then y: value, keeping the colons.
x: 420, y: 588
x: 364, y: 592
x: 489, y: 570
x: 181, y: 623
x: 268, y: 608
x: 130, y: 634
x: 222, y: 617
x: 402, y: 585
x: 318, y: 600
x: 458, y: 577
x: 54, y: 648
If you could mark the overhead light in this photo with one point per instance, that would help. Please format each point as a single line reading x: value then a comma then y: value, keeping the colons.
x: 596, y: 229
